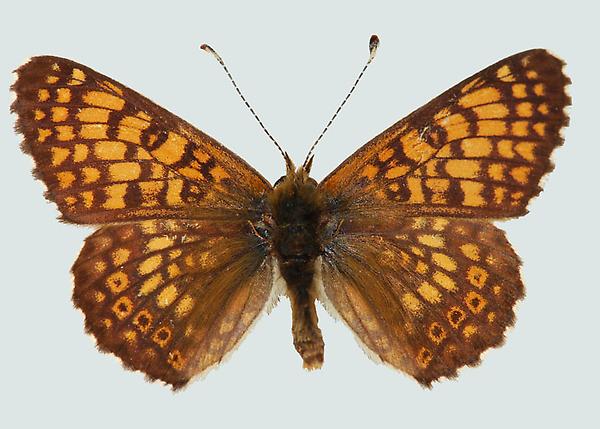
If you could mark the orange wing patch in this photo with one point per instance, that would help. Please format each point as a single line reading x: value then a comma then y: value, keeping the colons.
x: 478, y: 150
x: 107, y: 153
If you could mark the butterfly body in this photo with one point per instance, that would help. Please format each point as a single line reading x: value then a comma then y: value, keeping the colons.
x: 398, y: 242
x: 296, y: 207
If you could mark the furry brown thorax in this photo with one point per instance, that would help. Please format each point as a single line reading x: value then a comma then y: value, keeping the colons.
x: 296, y: 209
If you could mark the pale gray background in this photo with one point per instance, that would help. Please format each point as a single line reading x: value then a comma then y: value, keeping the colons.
x: 295, y: 63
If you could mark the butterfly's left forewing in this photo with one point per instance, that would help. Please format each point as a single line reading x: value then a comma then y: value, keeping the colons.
x: 107, y: 153
x: 175, y: 275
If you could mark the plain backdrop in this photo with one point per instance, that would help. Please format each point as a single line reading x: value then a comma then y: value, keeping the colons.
x: 295, y: 62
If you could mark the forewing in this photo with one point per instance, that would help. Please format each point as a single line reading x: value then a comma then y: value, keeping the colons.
x: 426, y: 297
x: 107, y: 153
x: 171, y: 298
x: 477, y: 150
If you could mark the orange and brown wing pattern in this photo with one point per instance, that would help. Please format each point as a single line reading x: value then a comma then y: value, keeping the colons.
x: 478, y: 150
x: 107, y: 153
x: 169, y: 297
x: 427, y: 297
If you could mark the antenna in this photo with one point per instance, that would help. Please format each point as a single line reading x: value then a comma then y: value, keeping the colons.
x: 373, y: 44
x: 210, y: 50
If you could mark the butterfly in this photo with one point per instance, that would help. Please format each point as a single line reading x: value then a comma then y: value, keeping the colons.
x: 191, y: 243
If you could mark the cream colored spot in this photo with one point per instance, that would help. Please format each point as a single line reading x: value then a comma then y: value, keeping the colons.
x: 110, y: 150
x: 525, y: 110
x: 93, y: 114
x: 477, y: 276
x: 480, y: 96
x: 397, y: 171
x: 59, y: 155
x: 122, y: 307
x: 416, y: 190
x: 184, y: 306
x: 88, y: 199
x: 411, y: 302
x: 519, y: 90
x: 471, y: 251
x: 444, y: 261
x: 463, y: 168
x: 444, y: 281
x: 472, y: 193
x: 150, y: 264
x: 70, y: 200
x: 65, y: 133
x: 469, y: 331
x: 539, y: 89
x: 174, y: 188
x: 172, y: 150
x: 540, y: 128
x: 218, y: 173
x: 491, y: 128
x: 43, y: 95
x: 416, y: 148
x: 166, y: 296
x: 421, y: 267
x: 431, y: 240
x: 38, y: 114
x: 496, y: 171
x: 468, y: 86
x: 90, y: 174
x: 159, y: 243
x: 112, y: 87
x: 43, y: 134
x: 115, y: 196
x: 429, y: 293
x: 456, y: 132
x: 476, y: 147
x: 151, y: 284
x: 78, y: 74
x: 59, y: 114
x: 386, y: 154
x: 505, y: 74
x: 117, y: 282
x: 521, y: 174
x: 439, y: 224
x: 491, y: 111
x: 65, y: 179
x: 520, y: 128
x: 505, y: 149
x: 63, y: 95
x: 128, y: 134
x: 499, y: 193
x: 103, y: 99
x: 124, y: 171
x: 526, y: 150
x: 93, y: 131
x: 80, y: 153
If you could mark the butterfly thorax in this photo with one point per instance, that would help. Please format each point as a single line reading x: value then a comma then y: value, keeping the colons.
x: 296, y: 209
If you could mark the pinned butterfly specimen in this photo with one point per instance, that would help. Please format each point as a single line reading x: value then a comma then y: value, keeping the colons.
x: 398, y: 241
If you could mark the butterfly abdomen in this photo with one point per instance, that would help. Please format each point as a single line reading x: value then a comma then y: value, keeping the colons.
x: 296, y: 211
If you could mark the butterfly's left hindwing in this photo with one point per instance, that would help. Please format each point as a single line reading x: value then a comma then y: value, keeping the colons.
x: 170, y: 297
x: 107, y: 153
